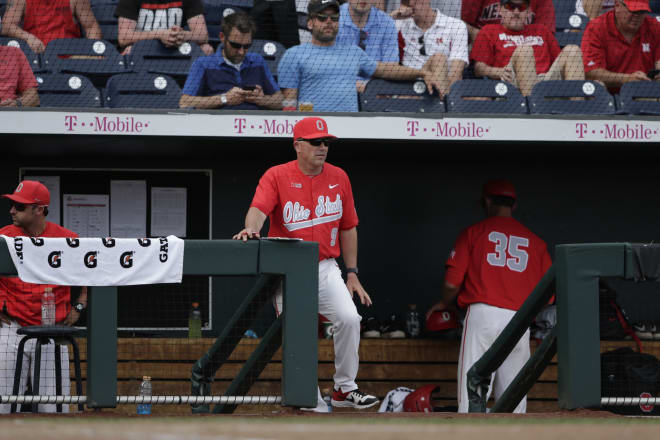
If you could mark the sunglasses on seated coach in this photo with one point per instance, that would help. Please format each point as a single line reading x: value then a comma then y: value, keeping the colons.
x: 20, y: 207
x: 522, y: 7
x: 239, y: 45
x: 317, y: 142
x: 323, y: 18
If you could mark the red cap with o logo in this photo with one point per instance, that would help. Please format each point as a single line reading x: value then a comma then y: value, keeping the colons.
x: 637, y: 5
x: 499, y: 188
x: 30, y: 192
x: 311, y: 128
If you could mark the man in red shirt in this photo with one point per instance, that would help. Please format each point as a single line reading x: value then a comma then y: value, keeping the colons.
x: 494, y: 266
x: 478, y: 13
x: 312, y: 200
x: 622, y: 45
x: 21, y: 302
x: 18, y: 87
x: 46, y: 20
x: 523, y: 54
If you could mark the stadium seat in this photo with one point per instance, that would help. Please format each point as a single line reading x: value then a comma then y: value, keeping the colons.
x: 215, y: 10
x: 142, y: 90
x: 105, y: 13
x: 33, y: 58
x: 485, y: 96
x: 96, y: 59
x: 639, y: 98
x: 110, y: 32
x: 570, y: 21
x: 214, y: 33
x: 564, y: 38
x: 272, y: 51
x: 552, y: 97
x: 67, y: 90
x: 151, y: 56
x: 564, y: 6
x: 399, y: 96
x: 102, y: 2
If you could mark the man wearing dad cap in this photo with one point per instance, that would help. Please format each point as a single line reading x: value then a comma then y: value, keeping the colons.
x: 622, y: 45
x: 494, y: 266
x: 310, y: 199
x: 21, y: 302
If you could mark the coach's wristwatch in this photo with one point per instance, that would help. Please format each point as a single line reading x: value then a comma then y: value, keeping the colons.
x: 352, y: 270
x: 79, y: 307
x: 223, y: 99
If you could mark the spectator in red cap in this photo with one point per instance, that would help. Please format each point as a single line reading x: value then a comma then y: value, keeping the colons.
x: 18, y: 87
x: 21, y: 302
x: 312, y: 200
x: 622, y: 45
x: 494, y: 266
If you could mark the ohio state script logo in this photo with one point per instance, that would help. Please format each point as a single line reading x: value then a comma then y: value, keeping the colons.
x: 296, y: 216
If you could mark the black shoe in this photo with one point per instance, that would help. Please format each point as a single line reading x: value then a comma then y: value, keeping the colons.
x: 393, y: 328
x: 371, y: 328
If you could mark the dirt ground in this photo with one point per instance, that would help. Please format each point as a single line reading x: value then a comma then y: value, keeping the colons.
x: 583, y: 425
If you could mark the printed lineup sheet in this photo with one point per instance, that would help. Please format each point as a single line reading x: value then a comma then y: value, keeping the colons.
x: 128, y: 213
x: 168, y: 212
x: 87, y: 215
x: 53, y: 185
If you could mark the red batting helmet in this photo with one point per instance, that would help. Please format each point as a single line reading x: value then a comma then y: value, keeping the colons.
x: 499, y: 188
x: 419, y: 400
x: 441, y: 320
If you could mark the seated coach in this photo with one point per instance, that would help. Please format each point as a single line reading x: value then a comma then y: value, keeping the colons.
x: 232, y: 78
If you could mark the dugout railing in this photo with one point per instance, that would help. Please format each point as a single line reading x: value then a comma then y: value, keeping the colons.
x: 574, y: 278
x: 294, y: 263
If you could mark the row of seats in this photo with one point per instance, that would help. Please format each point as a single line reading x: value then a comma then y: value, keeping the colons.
x: 145, y: 90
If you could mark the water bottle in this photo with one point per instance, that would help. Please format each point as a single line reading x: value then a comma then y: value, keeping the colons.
x: 195, y: 322
x: 412, y: 321
x: 328, y: 401
x: 145, y: 390
x: 48, y: 307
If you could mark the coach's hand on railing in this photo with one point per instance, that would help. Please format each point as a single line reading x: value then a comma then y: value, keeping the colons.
x: 247, y: 234
x: 71, y: 318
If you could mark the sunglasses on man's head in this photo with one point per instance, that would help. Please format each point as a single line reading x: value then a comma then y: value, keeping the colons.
x: 363, y: 40
x: 239, y: 45
x: 317, y: 142
x: 20, y: 207
x: 522, y: 7
x: 422, y: 50
x: 323, y: 18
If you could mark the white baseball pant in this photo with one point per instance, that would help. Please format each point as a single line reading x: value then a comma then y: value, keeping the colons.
x: 9, y: 341
x: 483, y: 323
x: 336, y: 304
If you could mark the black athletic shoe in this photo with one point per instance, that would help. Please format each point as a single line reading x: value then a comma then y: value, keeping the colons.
x: 353, y: 399
x: 393, y: 328
x: 371, y: 328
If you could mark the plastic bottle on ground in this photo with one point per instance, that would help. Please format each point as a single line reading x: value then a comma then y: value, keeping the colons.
x: 412, y: 321
x: 195, y: 322
x: 145, y: 390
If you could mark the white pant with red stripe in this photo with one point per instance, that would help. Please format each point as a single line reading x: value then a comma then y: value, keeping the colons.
x: 336, y: 304
x: 9, y: 341
x: 483, y: 323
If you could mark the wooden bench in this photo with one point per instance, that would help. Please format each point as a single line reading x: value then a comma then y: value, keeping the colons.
x: 384, y: 365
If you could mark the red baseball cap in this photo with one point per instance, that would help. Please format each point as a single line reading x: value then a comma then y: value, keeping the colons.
x: 637, y: 5
x: 30, y: 192
x: 499, y: 188
x: 311, y: 128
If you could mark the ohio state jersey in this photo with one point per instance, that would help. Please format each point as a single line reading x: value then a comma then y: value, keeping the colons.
x: 23, y: 300
x: 497, y: 261
x: 313, y: 208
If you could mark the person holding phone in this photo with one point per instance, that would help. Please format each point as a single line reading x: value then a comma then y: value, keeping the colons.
x: 622, y: 45
x: 232, y: 78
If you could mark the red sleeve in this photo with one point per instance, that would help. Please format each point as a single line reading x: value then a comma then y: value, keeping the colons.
x: 593, y: 50
x: 26, y: 78
x: 266, y: 196
x: 544, y: 13
x: 470, y: 11
x: 656, y: 34
x: 483, y: 50
x: 402, y: 46
x: 458, y: 261
x: 349, y: 218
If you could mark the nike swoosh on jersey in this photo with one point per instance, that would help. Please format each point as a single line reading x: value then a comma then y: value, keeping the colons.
x: 333, y: 186
x: 313, y: 222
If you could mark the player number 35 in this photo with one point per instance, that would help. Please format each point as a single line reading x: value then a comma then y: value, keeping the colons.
x: 508, y: 251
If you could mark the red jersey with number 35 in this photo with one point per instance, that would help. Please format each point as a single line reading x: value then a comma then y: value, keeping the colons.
x: 497, y: 261
x: 23, y: 300
x: 313, y: 208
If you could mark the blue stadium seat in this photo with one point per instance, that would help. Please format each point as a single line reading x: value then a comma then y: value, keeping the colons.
x: 639, y: 98
x: 67, y: 90
x: 105, y: 13
x: 215, y: 10
x: 214, y: 33
x: 566, y: 38
x: 142, y: 90
x: 272, y: 51
x: 570, y: 21
x: 564, y: 6
x: 33, y: 58
x: 102, y: 2
x: 399, y: 96
x: 485, y: 96
x: 110, y: 32
x: 552, y: 97
x: 96, y: 59
x: 151, y: 56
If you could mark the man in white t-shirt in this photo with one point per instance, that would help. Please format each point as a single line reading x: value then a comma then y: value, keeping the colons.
x: 435, y: 42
